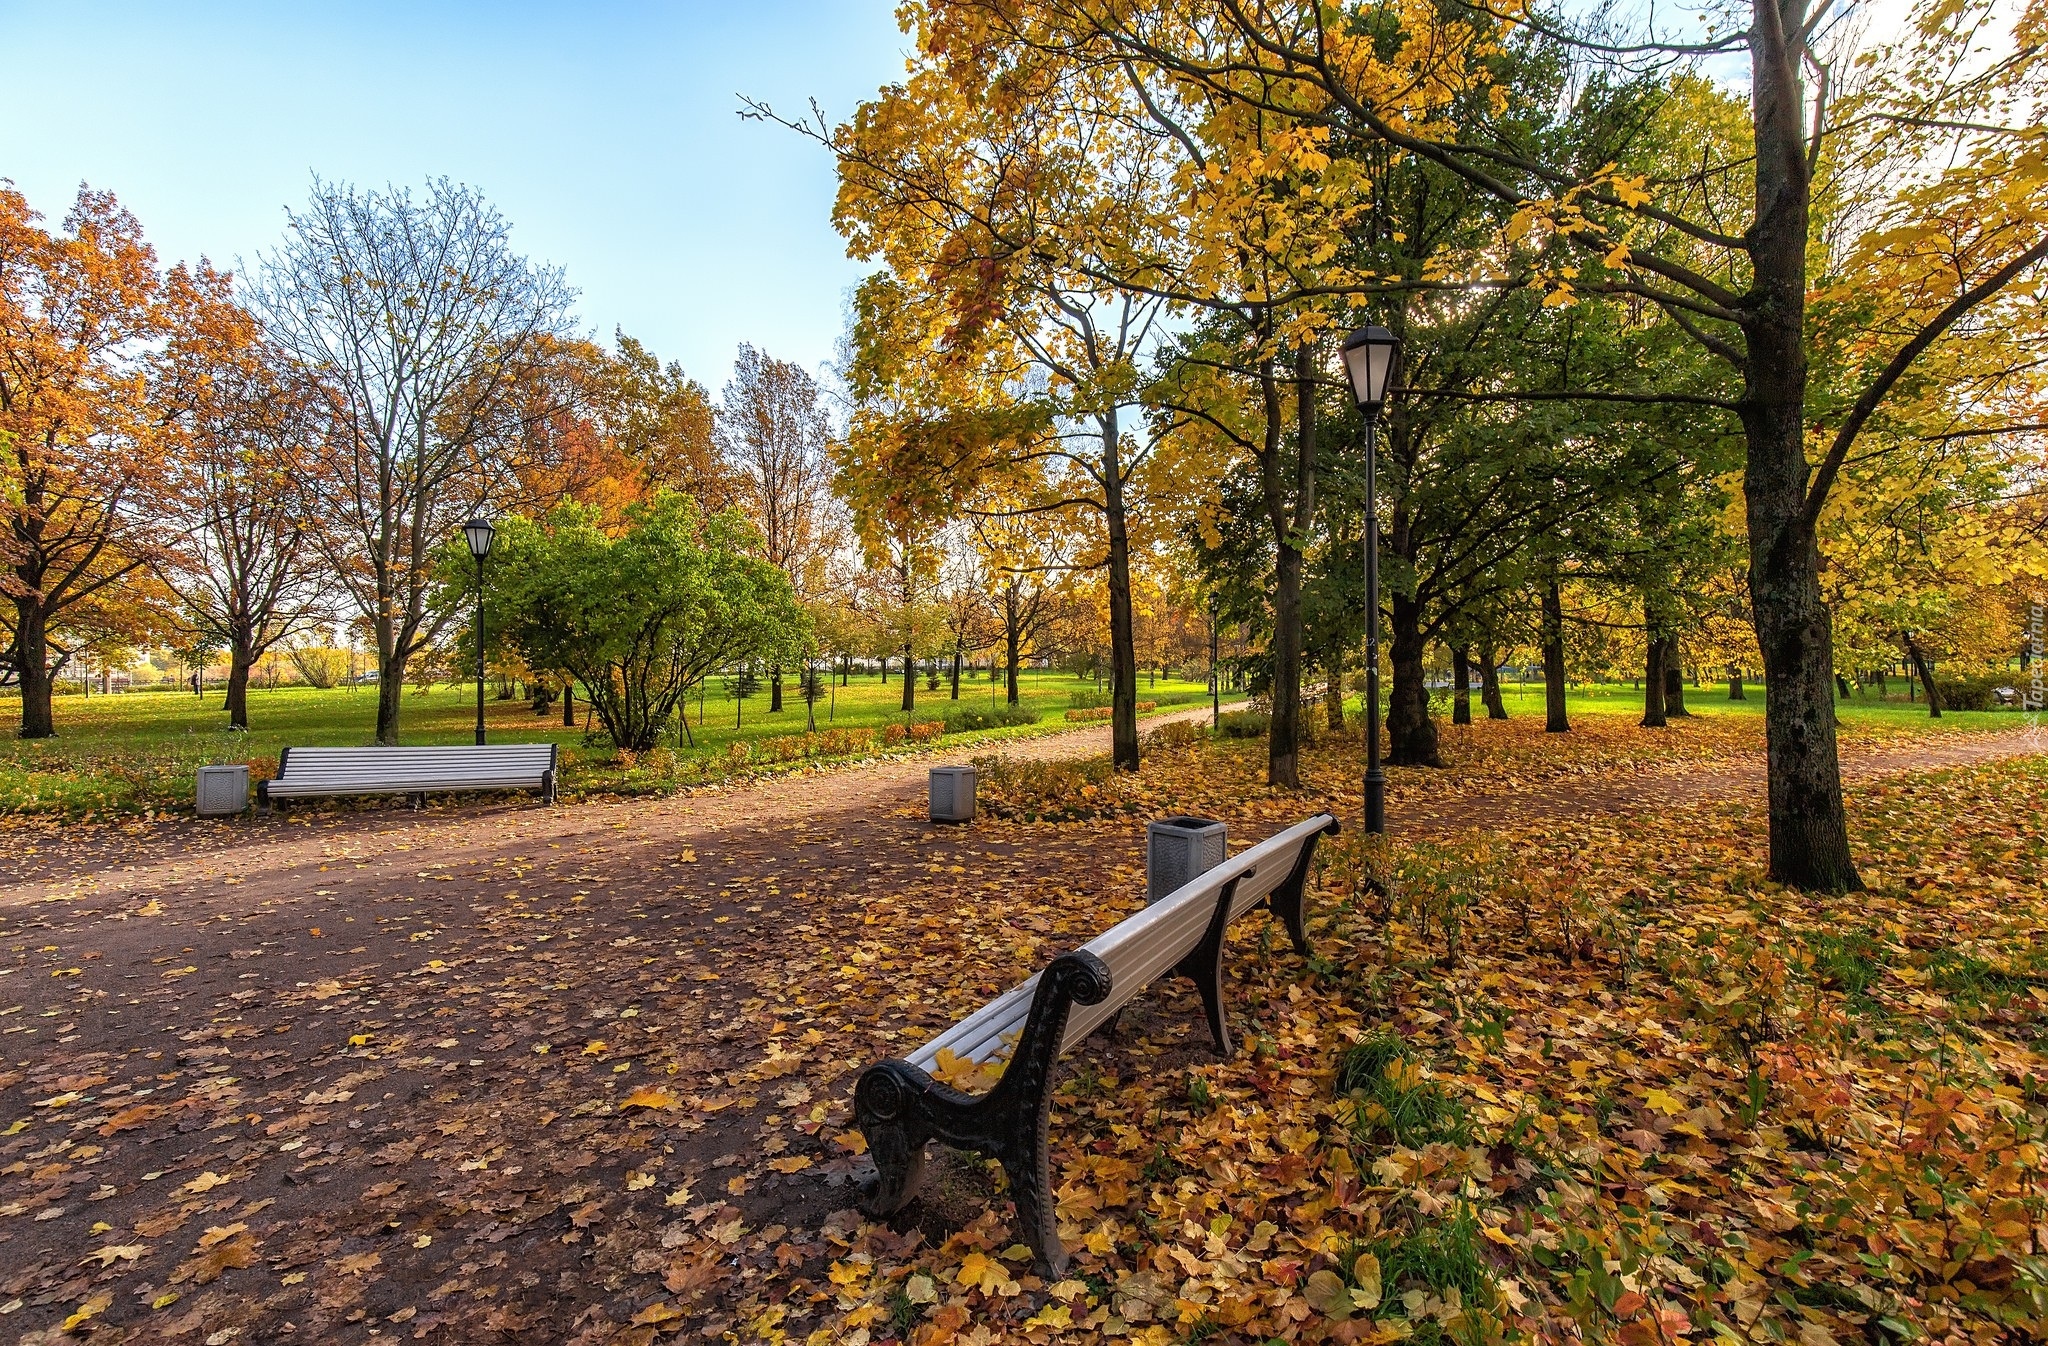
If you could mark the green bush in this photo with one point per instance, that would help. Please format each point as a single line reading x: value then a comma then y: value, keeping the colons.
x: 1973, y: 692
x: 1087, y: 700
x: 1243, y: 723
x: 963, y: 719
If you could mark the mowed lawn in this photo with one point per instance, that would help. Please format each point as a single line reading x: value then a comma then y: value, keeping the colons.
x: 138, y: 751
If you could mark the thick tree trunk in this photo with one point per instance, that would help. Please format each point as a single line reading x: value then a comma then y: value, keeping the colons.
x: 1283, y: 751
x: 1809, y: 831
x: 1461, y: 684
x: 1123, y: 649
x: 1918, y: 658
x: 1653, y: 681
x: 568, y: 703
x: 1674, y: 683
x: 239, y: 660
x: 1411, y: 733
x: 1554, y: 719
x: 1841, y: 687
x: 1012, y: 639
x: 32, y: 650
x: 1735, y: 689
x: 909, y: 681
x: 1489, y: 683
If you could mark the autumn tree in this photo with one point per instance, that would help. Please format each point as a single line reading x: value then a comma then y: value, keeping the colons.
x: 85, y: 386
x: 410, y: 318
x: 234, y: 501
x: 774, y: 438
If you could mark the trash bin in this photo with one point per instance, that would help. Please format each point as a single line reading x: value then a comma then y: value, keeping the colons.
x: 223, y: 790
x: 952, y: 794
x: 1177, y: 849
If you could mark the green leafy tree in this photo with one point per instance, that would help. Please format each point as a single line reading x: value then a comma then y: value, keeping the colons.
x: 640, y: 616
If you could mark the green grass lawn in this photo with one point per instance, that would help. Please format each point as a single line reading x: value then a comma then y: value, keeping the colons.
x: 1712, y: 699
x: 138, y: 751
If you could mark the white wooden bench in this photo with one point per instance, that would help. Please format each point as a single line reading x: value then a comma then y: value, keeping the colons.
x: 312, y: 772
x: 899, y: 1107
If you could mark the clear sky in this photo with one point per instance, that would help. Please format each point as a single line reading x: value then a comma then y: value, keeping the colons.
x: 605, y: 132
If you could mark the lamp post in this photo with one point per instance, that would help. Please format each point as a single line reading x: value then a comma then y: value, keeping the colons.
x: 1369, y: 354
x: 1215, y: 672
x: 479, y: 532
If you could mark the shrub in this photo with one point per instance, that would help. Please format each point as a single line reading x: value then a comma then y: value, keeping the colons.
x: 1243, y: 723
x: 1178, y: 734
x: 965, y: 719
x: 1063, y: 790
x: 1974, y: 692
x: 1087, y: 700
x: 737, y: 754
x: 1105, y: 712
x: 893, y: 734
x: 927, y: 731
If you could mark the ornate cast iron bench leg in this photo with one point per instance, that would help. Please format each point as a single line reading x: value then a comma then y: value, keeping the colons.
x: 1286, y: 900
x: 1203, y: 966
x: 900, y: 1109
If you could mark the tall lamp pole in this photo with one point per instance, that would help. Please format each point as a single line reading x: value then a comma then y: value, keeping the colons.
x: 1369, y: 354
x: 479, y: 532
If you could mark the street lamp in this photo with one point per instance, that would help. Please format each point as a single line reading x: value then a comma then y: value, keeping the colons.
x: 480, y: 532
x: 1369, y: 355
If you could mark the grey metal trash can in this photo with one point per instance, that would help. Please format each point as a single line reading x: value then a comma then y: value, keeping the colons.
x: 223, y: 790
x: 952, y: 794
x: 1177, y: 849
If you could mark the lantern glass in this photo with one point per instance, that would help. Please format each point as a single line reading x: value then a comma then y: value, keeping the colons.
x: 480, y: 533
x: 1369, y: 364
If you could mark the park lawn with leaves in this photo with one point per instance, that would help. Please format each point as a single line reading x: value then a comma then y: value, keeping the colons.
x: 1591, y: 1076
x: 138, y: 752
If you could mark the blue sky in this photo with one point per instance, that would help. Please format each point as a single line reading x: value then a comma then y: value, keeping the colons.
x: 604, y: 131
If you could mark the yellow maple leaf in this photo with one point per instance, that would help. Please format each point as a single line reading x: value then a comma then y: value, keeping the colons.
x: 651, y: 1097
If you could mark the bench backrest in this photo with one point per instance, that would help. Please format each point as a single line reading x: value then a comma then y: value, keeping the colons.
x: 1138, y: 950
x: 512, y: 763
x: 1144, y: 947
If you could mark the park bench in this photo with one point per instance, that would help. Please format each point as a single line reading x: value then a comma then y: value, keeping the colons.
x: 899, y: 1107
x: 310, y: 772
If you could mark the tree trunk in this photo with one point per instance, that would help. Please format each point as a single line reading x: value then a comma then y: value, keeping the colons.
x: 1336, y: 708
x: 390, y: 693
x: 239, y: 660
x: 1489, y: 683
x: 1554, y: 720
x: 1653, y: 680
x: 956, y: 671
x: 32, y: 652
x: 909, y: 681
x: 1735, y: 690
x: 1674, y: 683
x: 1283, y: 752
x: 568, y: 703
x: 1123, y: 650
x: 1411, y: 733
x: 1841, y: 687
x: 1461, y: 684
x: 1809, y: 831
x: 885, y: 670
x: 1012, y: 638
x: 1918, y: 658
x: 774, y: 690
